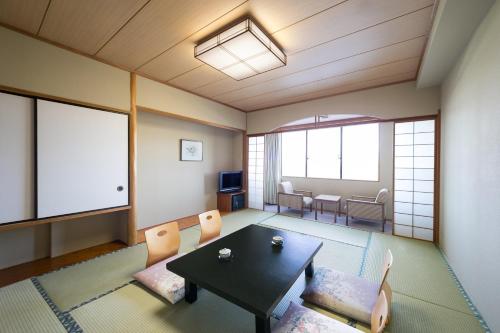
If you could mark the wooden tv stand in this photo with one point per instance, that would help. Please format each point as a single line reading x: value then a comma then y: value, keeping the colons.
x: 225, y: 200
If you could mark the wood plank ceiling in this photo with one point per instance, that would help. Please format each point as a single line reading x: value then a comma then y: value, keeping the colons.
x: 333, y: 46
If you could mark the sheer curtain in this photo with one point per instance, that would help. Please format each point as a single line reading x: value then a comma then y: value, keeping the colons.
x: 272, y: 167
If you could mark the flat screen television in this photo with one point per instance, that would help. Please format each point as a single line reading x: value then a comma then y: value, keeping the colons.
x: 230, y: 181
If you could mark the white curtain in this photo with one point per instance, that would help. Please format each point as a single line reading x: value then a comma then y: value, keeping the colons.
x: 272, y: 167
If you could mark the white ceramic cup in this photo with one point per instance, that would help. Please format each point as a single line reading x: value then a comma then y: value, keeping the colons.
x: 224, y: 253
x: 278, y: 239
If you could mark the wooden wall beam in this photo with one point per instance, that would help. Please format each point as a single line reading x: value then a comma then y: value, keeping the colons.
x: 185, y: 118
x: 35, y: 222
x: 132, y: 153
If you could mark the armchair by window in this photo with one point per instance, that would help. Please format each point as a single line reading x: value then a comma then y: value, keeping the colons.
x: 368, y: 208
x: 296, y: 199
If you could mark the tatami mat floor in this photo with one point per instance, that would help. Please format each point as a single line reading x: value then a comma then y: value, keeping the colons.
x: 100, y: 295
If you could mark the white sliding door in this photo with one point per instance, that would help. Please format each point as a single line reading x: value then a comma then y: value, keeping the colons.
x: 82, y: 159
x: 256, y: 172
x: 414, y: 163
x: 16, y: 158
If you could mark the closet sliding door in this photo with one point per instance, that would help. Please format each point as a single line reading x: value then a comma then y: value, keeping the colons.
x: 82, y: 159
x: 17, y: 190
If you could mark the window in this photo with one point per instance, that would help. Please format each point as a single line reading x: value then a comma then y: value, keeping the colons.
x: 293, y: 153
x: 348, y: 152
x: 360, y: 152
x: 323, y: 153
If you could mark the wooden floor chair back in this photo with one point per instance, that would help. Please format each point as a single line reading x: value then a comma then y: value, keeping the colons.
x: 380, y: 314
x: 211, y: 225
x: 385, y: 269
x: 162, y: 242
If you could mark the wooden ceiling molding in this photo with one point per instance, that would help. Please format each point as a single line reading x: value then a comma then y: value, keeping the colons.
x: 333, y: 46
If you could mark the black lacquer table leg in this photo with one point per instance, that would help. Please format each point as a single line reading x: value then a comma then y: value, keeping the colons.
x: 191, y: 292
x: 310, y: 270
x: 262, y: 325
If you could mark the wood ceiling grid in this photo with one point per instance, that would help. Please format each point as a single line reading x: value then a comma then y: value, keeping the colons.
x: 394, y: 68
x: 175, y: 63
x: 333, y: 46
x: 397, y: 30
x: 26, y: 15
x: 341, y: 89
x: 392, y: 53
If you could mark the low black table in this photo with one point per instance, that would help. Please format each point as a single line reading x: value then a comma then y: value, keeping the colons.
x: 259, y: 274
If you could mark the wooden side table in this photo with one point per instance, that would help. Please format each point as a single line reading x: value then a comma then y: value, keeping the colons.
x: 225, y: 201
x: 326, y: 198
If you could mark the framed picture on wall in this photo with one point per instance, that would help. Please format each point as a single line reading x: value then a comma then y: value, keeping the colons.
x: 191, y: 150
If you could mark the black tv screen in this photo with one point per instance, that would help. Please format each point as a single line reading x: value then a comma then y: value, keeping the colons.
x: 230, y: 181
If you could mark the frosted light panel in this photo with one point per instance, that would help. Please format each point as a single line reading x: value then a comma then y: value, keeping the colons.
x: 241, y: 51
x: 414, y: 179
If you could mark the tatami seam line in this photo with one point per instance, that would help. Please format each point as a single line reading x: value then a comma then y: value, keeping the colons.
x: 471, y: 305
x: 64, y: 317
x: 302, y: 233
x: 100, y: 296
x: 365, y: 255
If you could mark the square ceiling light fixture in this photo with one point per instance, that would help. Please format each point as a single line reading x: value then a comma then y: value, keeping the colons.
x: 241, y: 51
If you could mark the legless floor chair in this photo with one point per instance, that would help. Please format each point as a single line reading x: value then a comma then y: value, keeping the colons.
x: 211, y: 225
x: 348, y: 295
x: 299, y: 319
x: 163, y: 246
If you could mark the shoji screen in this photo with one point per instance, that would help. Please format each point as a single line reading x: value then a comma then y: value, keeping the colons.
x: 414, y: 163
x: 82, y: 159
x: 16, y: 158
x: 256, y: 172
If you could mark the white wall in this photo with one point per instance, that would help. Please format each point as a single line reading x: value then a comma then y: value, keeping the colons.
x: 41, y: 68
x: 38, y: 67
x: 168, y: 188
x: 22, y: 245
x: 74, y: 235
x: 394, y: 101
x: 158, y: 96
x: 470, y: 168
x: 347, y: 188
x: 29, y: 64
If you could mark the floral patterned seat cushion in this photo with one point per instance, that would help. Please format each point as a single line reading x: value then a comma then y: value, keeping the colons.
x: 299, y: 319
x: 163, y: 282
x: 343, y: 293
